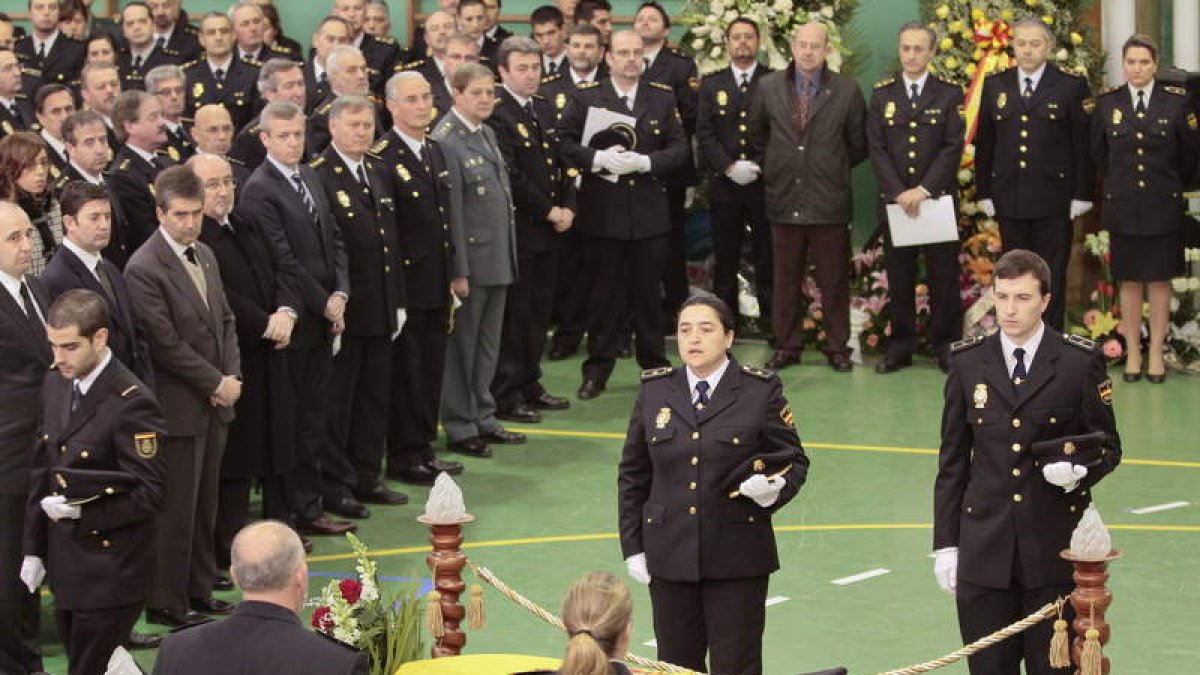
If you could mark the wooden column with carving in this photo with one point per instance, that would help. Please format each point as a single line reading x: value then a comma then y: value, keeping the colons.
x: 446, y: 562
x: 1090, y: 599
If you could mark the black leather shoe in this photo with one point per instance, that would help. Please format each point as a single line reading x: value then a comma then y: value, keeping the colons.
x: 347, y: 507
x: 211, y: 605
x: 841, y: 363
x: 138, y: 640
x: 1131, y: 377
x: 548, y: 402
x: 222, y: 583
x: 1156, y: 379
x: 502, y: 436
x: 890, y: 365
x: 521, y: 414
x: 470, y: 446
x: 590, y: 389
x: 325, y: 527
x: 560, y: 353
x: 440, y: 465
x: 781, y: 360
x: 380, y: 494
x: 420, y: 474
x: 165, y: 617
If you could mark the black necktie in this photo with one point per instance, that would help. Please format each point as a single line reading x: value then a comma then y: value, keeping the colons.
x: 76, y: 397
x: 137, y: 62
x: 308, y: 200
x: 913, y: 94
x: 646, y: 62
x: 625, y: 101
x: 190, y: 254
x: 323, y: 79
x: 744, y: 86
x: 423, y: 155
x: 1140, y: 109
x: 42, y: 52
x: 161, y: 43
x: 366, y: 184
x: 551, y: 68
x: 701, y: 396
x: 105, y: 281
x: 1028, y: 87
x: 31, y: 314
x: 1020, y: 375
x: 219, y: 75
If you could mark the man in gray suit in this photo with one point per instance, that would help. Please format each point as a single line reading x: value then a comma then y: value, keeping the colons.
x: 481, y: 203
x: 180, y: 302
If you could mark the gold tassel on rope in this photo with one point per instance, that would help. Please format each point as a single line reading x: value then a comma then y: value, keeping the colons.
x: 433, y: 615
x: 475, y: 614
x: 1091, y: 660
x: 1060, y: 644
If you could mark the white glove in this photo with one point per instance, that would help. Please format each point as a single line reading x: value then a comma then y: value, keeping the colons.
x: 743, y: 172
x: 945, y: 568
x: 631, y: 162
x: 33, y: 572
x: 401, y: 319
x: 606, y: 160
x: 1064, y: 474
x: 988, y: 208
x: 764, y: 491
x: 1079, y: 207
x: 57, y: 508
x: 636, y: 566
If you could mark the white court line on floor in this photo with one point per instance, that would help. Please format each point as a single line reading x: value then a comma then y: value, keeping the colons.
x: 855, y: 578
x: 776, y: 600
x: 1159, y: 507
x: 650, y: 643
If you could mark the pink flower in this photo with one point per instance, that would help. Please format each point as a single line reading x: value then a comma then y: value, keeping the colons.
x: 351, y: 590
x: 1112, y: 348
x: 1089, y: 318
x: 321, y: 619
x: 887, y: 330
x: 872, y: 340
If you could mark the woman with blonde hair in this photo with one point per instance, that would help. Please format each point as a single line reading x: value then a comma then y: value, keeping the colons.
x: 598, y: 615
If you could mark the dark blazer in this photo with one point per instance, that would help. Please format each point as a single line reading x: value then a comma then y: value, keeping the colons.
x: 238, y: 94
x: 679, y: 465
x: 314, y: 91
x: 990, y: 500
x: 919, y: 145
x: 559, y: 88
x: 382, y: 55
x: 24, y: 120
x: 105, y: 558
x: 1145, y: 162
x: 61, y: 65
x: 367, y: 222
x: 310, y: 255
x: 426, y: 241
x: 66, y: 271
x: 130, y: 179
x: 635, y: 207
x: 135, y: 77
x: 180, y: 147
x: 723, y: 131
x: 192, y: 345
x: 185, y: 41
x: 24, y: 359
x: 1031, y: 157
x: 678, y: 71
x: 247, y: 147
x: 259, y: 637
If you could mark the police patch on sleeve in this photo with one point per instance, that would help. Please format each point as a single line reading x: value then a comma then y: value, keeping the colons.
x: 1105, y: 390
x: 786, y: 415
x: 146, y: 444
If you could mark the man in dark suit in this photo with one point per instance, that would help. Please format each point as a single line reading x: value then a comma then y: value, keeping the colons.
x: 421, y: 184
x: 53, y: 103
x: 221, y: 77
x: 86, y: 140
x: 97, y: 485
x: 360, y: 190
x: 87, y: 223
x: 472, y: 21
x: 735, y: 185
x: 544, y: 199
x: 137, y: 117
x: 494, y: 34
x: 278, y: 80
x: 180, y: 302
x: 140, y: 54
x: 284, y: 198
x: 332, y: 32
x: 625, y: 222
x: 46, y: 54
x: 24, y: 359
x: 172, y: 30
x: 1033, y: 169
x: 264, y: 634
x: 915, y: 136
x: 1001, y: 512
x: 382, y: 53
x: 16, y: 109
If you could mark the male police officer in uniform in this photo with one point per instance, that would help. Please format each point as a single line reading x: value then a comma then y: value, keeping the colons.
x: 46, y: 54
x: 97, y: 485
x: 1000, y: 517
x: 915, y: 137
x: 222, y: 77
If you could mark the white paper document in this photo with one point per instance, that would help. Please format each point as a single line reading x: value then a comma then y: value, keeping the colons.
x: 600, y: 119
x: 935, y: 223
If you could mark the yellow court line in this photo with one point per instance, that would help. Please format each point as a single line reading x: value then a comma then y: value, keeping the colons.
x: 607, y: 435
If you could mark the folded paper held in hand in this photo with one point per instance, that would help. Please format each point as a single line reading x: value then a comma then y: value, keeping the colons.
x: 934, y: 224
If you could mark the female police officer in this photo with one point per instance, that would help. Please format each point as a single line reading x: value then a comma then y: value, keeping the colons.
x: 711, y: 453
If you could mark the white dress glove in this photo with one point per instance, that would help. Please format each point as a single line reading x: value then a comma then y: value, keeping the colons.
x: 764, y: 491
x: 630, y: 162
x: 401, y: 319
x: 636, y: 566
x: 606, y: 160
x: 57, y: 508
x: 743, y: 172
x: 33, y: 572
x: 1064, y: 474
x: 988, y: 208
x: 945, y: 568
x: 1079, y: 207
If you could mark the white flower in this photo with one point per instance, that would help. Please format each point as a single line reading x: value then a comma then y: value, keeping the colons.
x: 718, y: 6
x: 1179, y: 284
x: 715, y: 51
x: 1061, y: 55
x: 782, y: 5
x: 968, y: 208
x: 731, y: 15
x: 834, y: 60
x: 701, y: 30
x: 827, y: 11
x: 1194, y: 284
x: 964, y: 176
x: 697, y: 44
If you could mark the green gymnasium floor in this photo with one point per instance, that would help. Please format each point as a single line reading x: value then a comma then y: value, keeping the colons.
x: 546, y: 513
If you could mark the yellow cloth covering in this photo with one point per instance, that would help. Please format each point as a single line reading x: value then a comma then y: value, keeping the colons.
x: 479, y: 664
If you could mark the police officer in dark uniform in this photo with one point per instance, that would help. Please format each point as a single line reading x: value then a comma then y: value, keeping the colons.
x: 1033, y: 170
x: 626, y: 223
x: 734, y: 185
x: 96, y: 487
x: 915, y: 138
x: 222, y: 77
x: 47, y: 55
x: 141, y: 54
x: 331, y: 32
x: 710, y: 456
x: 348, y: 76
x: 17, y: 112
x: 133, y: 171
x: 173, y: 31
x: 1000, y: 518
x: 382, y: 53
x: 421, y: 184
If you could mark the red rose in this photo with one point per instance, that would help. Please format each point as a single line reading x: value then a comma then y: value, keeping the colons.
x: 351, y: 590
x: 321, y: 620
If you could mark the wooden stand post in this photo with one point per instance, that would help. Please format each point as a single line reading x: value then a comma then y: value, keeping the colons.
x: 1090, y: 600
x: 446, y: 562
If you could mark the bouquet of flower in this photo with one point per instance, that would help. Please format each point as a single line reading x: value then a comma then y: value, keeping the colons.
x: 353, y: 611
x: 1184, y: 337
x: 1100, y: 320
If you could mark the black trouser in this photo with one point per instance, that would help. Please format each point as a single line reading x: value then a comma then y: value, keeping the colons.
x: 19, y: 609
x: 621, y: 269
x: 941, y: 274
x: 233, y: 510
x: 983, y: 611
x: 418, y: 365
x: 729, y: 220
x: 359, y: 411
x: 674, y: 272
x: 526, y: 320
x: 724, y: 617
x: 1051, y: 239
x: 322, y: 470
x: 91, y: 635
x: 572, y: 294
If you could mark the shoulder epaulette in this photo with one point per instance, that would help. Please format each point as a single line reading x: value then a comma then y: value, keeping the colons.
x: 235, y: 161
x: 966, y: 343
x: 168, y: 50
x: 655, y: 373
x: 124, y: 164
x: 316, y: 163
x: 253, y: 62
x: 760, y: 373
x: 588, y: 85
x: 132, y: 388
x: 660, y: 85
x: 279, y: 50
x: 32, y: 72
x: 414, y: 64
x: 1109, y: 90
x: 380, y: 146
x: 385, y: 39
x: 1079, y: 341
x: 324, y: 110
x: 189, y: 28
x: 537, y: 96
x: 190, y: 64
x: 552, y: 78
x: 1178, y: 91
x: 884, y: 82
x: 254, y: 128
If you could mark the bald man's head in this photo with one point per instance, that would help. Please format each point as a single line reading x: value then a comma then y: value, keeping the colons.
x: 16, y: 244
x: 268, y: 559
x: 213, y: 129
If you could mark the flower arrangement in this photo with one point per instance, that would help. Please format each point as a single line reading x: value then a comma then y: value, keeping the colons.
x: 1184, y: 336
x: 1100, y: 321
x: 707, y: 20
x: 353, y: 611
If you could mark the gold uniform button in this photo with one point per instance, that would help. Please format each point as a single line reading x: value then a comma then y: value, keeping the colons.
x: 62, y: 448
x: 695, y: 435
x: 691, y: 510
x: 95, y: 532
x: 1017, y: 498
x: 649, y: 520
x: 1024, y: 134
x: 381, y: 233
x: 386, y: 250
x: 750, y: 519
x: 737, y: 441
x: 1022, y: 164
x: 1024, y: 118
x: 1141, y: 167
x: 106, y: 543
x: 1053, y: 420
x: 1141, y: 183
x: 1072, y: 509
x: 1141, y: 151
x: 912, y: 170
x: 632, y: 182
x: 913, y: 124
x: 1023, y: 149
x: 1016, y: 447
x: 692, y: 485
x: 1139, y: 135
x: 912, y: 139
x: 742, y: 114
x: 387, y: 269
x: 742, y: 127
x: 1016, y: 473
x: 695, y: 461
x: 1016, y: 424
x: 912, y: 154
x: 970, y: 510
x: 84, y: 454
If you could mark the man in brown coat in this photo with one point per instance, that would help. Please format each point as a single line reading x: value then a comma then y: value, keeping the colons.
x: 808, y: 130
